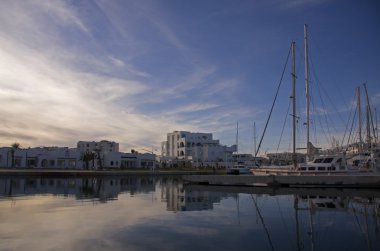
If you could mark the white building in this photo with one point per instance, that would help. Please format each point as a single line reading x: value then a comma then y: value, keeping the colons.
x: 104, y: 146
x: 73, y: 158
x: 40, y: 157
x: 199, y: 148
x: 129, y: 160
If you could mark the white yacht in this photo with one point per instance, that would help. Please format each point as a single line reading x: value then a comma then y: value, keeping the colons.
x: 239, y: 169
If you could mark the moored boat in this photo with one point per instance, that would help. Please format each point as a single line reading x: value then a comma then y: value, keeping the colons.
x: 239, y: 169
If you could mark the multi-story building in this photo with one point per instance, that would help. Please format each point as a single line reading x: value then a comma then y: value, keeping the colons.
x: 199, y: 148
x: 104, y: 146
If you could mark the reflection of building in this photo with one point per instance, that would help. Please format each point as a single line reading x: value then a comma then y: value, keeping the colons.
x: 179, y: 199
x: 101, y: 189
x: 199, y: 148
x: 199, y: 200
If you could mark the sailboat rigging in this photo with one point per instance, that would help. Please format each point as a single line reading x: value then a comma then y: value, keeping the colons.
x: 322, y: 164
x: 239, y: 167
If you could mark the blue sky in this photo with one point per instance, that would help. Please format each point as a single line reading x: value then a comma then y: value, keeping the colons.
x: 132, y: 71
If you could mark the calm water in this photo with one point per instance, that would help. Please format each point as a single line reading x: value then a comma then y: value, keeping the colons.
x: 148, y: 213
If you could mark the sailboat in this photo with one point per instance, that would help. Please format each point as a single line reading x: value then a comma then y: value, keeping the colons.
x: 321, y: 165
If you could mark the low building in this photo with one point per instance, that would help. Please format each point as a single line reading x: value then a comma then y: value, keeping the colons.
x: 40, y: 157
x: 129, y: 160
x: 73, y: 158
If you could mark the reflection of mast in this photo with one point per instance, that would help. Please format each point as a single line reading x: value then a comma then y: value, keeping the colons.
x: 297, y: 224
x: 238, y: 209
x: 311, y: 227
x: 366, y: 228
x: 262, y: 222
x: 299, y: 243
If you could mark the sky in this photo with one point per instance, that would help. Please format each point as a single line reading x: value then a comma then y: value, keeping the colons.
x: 133, y: 71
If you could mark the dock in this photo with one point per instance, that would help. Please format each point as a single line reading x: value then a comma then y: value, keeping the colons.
x: 349, y: 181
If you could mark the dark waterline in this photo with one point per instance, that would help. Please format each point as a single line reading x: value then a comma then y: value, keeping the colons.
x: 163, y: 213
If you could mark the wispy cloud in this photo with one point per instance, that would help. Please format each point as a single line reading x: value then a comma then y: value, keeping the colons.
x: 46, y: 99
x: 300, y: 3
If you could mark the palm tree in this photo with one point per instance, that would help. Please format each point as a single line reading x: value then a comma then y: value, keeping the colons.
x: 87, y: 157
x: 14, y: 146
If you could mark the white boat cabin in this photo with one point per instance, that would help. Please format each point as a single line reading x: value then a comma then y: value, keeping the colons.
x: 328, y: 163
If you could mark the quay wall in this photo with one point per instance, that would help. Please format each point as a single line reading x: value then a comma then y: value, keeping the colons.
x: 369, y: 181
x: 78, y: 173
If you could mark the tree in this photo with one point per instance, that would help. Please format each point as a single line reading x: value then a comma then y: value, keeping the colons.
x: 87, y: 157
x: 14, y: 146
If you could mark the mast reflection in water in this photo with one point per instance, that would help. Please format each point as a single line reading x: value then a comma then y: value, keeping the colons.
x: 161, y: 213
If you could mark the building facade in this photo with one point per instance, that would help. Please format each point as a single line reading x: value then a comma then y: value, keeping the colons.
x: 40, y: 157
x: 104, y: 146
x: 88, y: 155
x: 198, y: 148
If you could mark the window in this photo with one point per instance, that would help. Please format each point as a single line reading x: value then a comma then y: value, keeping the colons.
x: 72, y: 163
x: 61, y: 163
x: 321, y: 168
x: 318, y: 160
x: 328, y: 160
x: 111, y: 163
x: 311, y: 168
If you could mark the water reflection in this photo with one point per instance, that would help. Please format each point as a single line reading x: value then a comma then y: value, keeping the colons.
x: 142, y: 213
x: 101, y: 189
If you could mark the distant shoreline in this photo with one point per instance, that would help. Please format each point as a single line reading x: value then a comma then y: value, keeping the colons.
x: 79, y: 173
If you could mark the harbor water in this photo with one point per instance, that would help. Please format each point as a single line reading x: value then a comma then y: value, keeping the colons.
x: 165, y: 213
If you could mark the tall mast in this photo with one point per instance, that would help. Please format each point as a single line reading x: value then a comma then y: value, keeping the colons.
x: 307, y: 92
x: 237, y: 142
x: 254, y: 137
x: 360, y: 119
x: 294, y: 102
x: 369, y: 120
x: 368, y: 126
